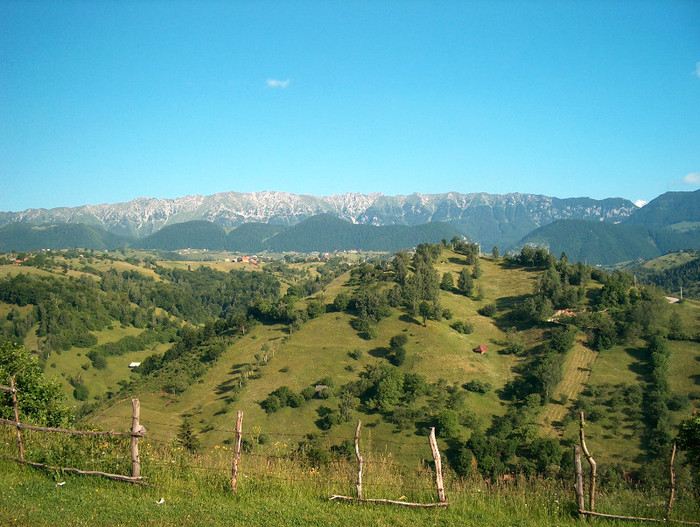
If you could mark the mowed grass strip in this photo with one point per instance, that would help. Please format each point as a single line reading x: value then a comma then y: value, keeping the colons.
x: 576, y: 371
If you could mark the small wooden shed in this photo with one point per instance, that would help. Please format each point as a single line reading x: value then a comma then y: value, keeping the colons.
x: 481, y: 349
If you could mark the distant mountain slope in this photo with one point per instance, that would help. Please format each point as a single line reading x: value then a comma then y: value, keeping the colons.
x: 320, y: 233
x: 677, y: 210
x: 606, y: 243
x: 489, y: 219
x: 188, y: 235
x: 252, y: 237
x: 593, y: 242
x: 23, y: 237
x: 328, y: 233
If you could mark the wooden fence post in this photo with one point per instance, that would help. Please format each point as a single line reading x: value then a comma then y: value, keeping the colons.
x: 237, y: 451
x: 673, y: 484
x: 578, y: 483
x: 359, y: 460
x: 438, y: 466
x: 591, y: 461
x: 135, y: 429
x: 20, y: 446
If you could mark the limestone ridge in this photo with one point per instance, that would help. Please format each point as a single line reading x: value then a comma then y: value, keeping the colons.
x: 490, y: 219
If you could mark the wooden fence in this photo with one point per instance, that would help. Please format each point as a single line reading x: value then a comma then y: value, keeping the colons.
x: 360, y: 464
x: 137, y: 431
x: 579, y: 485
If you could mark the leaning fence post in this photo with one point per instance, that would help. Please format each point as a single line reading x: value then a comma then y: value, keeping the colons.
x: 16, y: 407
x: 673, y: 484
x: 237, y: 451
x: 135, y: 431
x: 438, y: 466
x: 359, y: 460
x: 591, y: 461
x: 578, y: 483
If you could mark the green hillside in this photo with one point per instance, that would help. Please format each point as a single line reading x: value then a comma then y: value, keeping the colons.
x: 306, y: 349
x: 674, y: 272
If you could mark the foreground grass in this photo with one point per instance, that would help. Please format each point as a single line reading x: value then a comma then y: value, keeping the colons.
x: 186, y: 489
x: 32, y: 497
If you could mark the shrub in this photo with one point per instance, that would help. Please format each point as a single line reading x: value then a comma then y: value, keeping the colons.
x: 356, y: 354
x: 271, y: 404
x: 462, y: 327
x: 477, y: 386
x: 488, y: 310
x: 308, y: 393
x: 80, y: 392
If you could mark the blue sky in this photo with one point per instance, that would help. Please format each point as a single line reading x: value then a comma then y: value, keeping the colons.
x: 106, y: 101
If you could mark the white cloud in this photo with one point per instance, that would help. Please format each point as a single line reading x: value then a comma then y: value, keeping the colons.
x: 692, y: 179
x: 640, y: 203
x: 274, y: 83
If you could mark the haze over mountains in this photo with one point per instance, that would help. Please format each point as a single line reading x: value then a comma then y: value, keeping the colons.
x: 599, y: 231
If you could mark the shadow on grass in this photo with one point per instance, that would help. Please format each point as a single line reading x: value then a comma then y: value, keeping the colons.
x: 410, y: 320
x: 641, y: 367
x: 380, y: 352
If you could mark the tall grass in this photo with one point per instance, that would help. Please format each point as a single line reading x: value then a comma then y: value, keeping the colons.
x: 279, y: 487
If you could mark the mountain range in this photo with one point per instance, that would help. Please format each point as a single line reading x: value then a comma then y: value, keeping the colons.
x: 489, y: 219
x: 597, y: 231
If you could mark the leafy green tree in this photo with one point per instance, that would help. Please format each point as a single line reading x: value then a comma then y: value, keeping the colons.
x: 676, y: 331
x: 388, y: 386
x: 689, y: 441
x: 39, y: 400
x: 495, y: 253
x: 563, y: 338
x: 447, y: 423
x: 315, y: 308
x: 548, y: 371
x: 341, y: 302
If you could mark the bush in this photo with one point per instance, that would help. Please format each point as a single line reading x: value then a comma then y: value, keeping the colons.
x: 463, y: 327
x: 488, y: 310
x: 80, y: 393
x: 308, y: 393
x: 271, y: 404
x: 477, y: 386
x: 356, y: 354
x: 398, y: 357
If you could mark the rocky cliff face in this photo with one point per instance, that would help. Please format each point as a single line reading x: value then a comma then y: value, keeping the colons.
x: 490, y: 219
